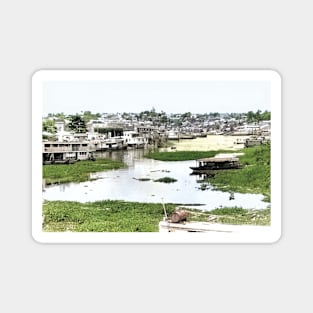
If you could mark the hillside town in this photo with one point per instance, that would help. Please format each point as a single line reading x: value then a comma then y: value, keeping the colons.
x: 69, y: 138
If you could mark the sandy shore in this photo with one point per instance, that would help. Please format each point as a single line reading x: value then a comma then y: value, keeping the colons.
x: 212, y: 142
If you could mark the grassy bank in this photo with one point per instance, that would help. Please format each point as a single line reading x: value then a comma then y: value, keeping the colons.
x: 102, y: 216
x: 120, y: 216
x: 253, y: 178
x: 234, y: 216
x: 183, y: 155
x: 77, y: 172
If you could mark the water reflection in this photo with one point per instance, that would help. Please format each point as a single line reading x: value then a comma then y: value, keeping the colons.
x: 138, y: 183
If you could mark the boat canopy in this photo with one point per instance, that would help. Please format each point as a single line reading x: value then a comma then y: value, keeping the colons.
x: 218, y: 160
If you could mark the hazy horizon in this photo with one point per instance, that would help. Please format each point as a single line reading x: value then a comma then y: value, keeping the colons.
x: 198, y: 97
x: 167, y: 113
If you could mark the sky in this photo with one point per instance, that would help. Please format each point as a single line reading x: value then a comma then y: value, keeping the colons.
x: 71, y: 97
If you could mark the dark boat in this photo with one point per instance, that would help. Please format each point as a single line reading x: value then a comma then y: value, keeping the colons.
x: 215, y: 163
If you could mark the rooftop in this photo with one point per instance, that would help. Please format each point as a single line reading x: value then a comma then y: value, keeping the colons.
x: 220, y: 160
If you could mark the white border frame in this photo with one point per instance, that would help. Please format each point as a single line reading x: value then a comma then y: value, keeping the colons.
x: 271, y: 235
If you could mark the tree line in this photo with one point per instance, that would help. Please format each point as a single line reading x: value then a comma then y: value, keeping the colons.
x: 78, y: 122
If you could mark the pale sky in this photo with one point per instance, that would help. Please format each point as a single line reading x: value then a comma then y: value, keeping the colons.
x: 169, y: 96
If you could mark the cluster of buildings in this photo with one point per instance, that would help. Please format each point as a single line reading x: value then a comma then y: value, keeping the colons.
x: 130, y: 130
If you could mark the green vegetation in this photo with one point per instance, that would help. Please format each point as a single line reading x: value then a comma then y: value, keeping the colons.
x: 232, y: 215
x: 120, y: 216
x: 103, y: 216
x: 255, y: 177
x: 88, y: 115
x: 77, y: 124
x: 77, y: 172
x: 166, y: 180
x: 258, y: 116
x: 49, y: 126
x: 184, y: 155
x: 49, y: 129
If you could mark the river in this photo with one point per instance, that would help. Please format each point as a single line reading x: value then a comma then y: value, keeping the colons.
x: 136, y: 183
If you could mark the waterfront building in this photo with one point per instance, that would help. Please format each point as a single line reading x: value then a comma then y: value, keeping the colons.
x: 66, y: 152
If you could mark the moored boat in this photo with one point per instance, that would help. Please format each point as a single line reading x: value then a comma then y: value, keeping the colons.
x: 215, y: 163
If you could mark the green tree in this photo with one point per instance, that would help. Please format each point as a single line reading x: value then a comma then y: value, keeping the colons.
x: 186, y: 115
x: 87, y: 116
x: 257, y: 115
x: 250, y: 116
x: 77, y: 124
x: 49, y: 126
x: 49, y: 129
x: 266, y: 116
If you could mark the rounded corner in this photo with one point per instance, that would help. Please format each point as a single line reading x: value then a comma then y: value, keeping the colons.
x: 276, y: 75
x: 37, y: 75
x: 276, y: 238
x: 36, y: 239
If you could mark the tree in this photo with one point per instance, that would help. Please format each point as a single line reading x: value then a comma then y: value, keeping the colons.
x: 48, y: 130
x: 186, y: 115
x: 77, y: 124
x: 250, y: 116
x: 266, y: 116
x: 258, y: 115
x: 87, y: 115
x: 49, y: 126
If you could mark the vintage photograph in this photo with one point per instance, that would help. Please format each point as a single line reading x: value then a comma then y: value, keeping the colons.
x: 156, y: 156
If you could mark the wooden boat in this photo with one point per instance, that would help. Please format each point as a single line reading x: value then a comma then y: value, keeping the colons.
x: 193, y: 227
x: 215, y: 163
x: 178, y: 223
x: 216, y: 229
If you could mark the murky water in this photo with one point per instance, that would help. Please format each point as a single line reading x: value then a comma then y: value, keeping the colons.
x: 136, y: 183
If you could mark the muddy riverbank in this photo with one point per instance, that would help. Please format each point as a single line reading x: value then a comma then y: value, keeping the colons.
x: 211, y: 142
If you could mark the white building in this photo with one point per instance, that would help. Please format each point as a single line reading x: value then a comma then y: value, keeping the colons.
x: 62, y: 134
x: 133, y: 139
